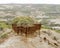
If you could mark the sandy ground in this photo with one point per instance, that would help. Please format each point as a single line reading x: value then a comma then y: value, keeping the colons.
x: 47, y: 39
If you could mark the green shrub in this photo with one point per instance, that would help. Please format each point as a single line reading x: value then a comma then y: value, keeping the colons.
x: 3, y: 25
x: 4, y: 35
x: 24, y: 21
x: 57, y: 31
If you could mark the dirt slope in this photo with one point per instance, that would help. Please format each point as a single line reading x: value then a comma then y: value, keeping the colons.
x: 47, y: 39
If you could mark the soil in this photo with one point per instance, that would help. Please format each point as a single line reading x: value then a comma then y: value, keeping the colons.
x: 46, y: 39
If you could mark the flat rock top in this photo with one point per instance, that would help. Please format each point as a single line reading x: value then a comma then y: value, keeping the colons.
x: 47, y: 39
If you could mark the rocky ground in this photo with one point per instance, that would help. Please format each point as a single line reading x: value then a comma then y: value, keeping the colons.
x: 46, y: 39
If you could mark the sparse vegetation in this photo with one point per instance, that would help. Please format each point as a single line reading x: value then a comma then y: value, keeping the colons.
x: 4, y: 35
x: 24, y: 21
x: 46, y: 27
x: 57, y: 31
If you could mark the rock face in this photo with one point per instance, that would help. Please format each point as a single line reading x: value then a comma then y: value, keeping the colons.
x: 25, y: 24
x: 46, y: 39
x: 26, y: 30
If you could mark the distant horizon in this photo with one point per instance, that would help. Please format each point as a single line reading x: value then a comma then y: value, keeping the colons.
x: 30, y: 2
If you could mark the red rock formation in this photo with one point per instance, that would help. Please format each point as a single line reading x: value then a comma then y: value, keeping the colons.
x: 26, y: 30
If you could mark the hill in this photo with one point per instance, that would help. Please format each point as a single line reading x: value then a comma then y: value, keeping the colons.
x: 47, y: 39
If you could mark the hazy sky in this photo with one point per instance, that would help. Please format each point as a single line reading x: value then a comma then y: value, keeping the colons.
x: 31, y: 1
